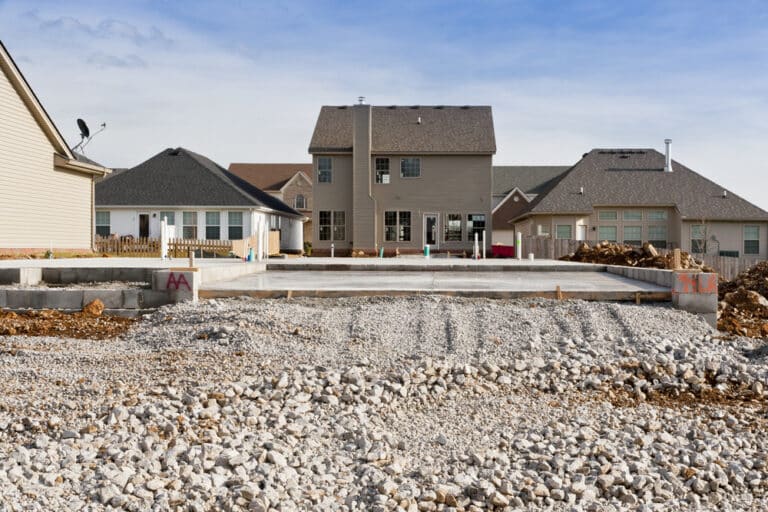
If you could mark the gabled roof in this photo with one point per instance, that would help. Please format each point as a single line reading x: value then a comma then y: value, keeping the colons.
x: 66, y: 158
x: 530, y: 179
x: 636, y: 177
x: 270, y: 177
x: 396, y: 129
x: 179, y: 177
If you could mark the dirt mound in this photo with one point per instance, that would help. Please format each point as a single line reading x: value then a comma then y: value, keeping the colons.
x: 743, y: 305
x: 755, y: 279
x: 647, y: 256
x: 71, y: 325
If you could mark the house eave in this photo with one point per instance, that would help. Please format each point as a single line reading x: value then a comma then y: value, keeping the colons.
x: 61, y: 162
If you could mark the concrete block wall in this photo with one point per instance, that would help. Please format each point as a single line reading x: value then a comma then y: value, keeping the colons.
x: 656, y: 276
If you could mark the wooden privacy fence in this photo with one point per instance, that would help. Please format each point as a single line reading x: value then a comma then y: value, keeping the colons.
x: 150, y: 247
x: 548, y: 248
x: 727, y: 266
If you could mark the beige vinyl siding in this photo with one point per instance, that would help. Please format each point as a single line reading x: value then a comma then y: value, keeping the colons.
x: 39, y: 206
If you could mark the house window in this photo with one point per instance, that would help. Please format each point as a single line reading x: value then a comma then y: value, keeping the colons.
x: 657, y: 236
x: 698, y: 238
x: 189, y: 229
x: 607, y: 233
x: 397, y: 226
x: 607, y: 215
x: 300, y: 202
x: 632, y: 215
x: 751, y: 239
x: 339, y: 226
x: 332, y: 226
x: 633, y: 235
x: 102, y: 224
x: 542, y: 229
x: 410, y: 167
x: 564, y: 232
x: 382, y: 171
x: 170, y: 217
x: 453, y: 227
x: 657, y: 215
x: 235, y: 221
x: 475, y: 224
x: 212, y: 225
x: 324, y: 170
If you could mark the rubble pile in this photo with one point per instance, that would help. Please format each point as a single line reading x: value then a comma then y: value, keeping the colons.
x: 90, y: 323
x: 607, y: 253
x: 743, y: 307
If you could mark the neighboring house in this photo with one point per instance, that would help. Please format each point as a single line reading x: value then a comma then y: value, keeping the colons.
x: 46, y: 193
x: 290, y: 183
x: 401, y: 178
x: 199, y: 198
x: 640, y: 195
x: 514, y: 188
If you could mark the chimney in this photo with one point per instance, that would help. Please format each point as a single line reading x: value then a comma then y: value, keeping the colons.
x: 668, y: 159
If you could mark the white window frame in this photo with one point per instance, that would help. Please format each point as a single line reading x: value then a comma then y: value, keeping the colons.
x: 324, y: 175
x: 656, y: 215
x: 471, y: 229
x: 102, y: 224
x: 636, y: 241
x: 403, y: 162
x: 383, y: 175
x: 300, y: 205
x: 170, y: 216
x: 659, y: 243
x: 698, y: 238
x: 451, y: 219
x: 399, y: 226
x: 570, y: 231
x: 637, y: 217
x: 213, y: 215
x: 609, y: 215
x: 190, y: 225
x: 230, y: 224
x: 601, y: 238
x: 756, y: 251
x: 334, y: 234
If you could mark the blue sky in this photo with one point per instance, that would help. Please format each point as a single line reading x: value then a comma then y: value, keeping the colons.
x: 244, y: 81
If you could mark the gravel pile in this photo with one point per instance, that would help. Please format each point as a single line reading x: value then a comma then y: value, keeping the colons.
x: 427, y: 403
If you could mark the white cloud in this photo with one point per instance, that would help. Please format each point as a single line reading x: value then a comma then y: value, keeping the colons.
x: 158, y: 81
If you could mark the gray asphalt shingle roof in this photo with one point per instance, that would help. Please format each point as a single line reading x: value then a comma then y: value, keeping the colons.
x: 395, y: 129
x: 179, y: 177
x: 636, y: 177
x: 531, y: 179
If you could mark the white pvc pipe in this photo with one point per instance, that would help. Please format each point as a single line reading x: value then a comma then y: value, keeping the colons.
x: 519, y: 246
x: 333, y: 247
x: 483, y: 244
x: 476, y: 250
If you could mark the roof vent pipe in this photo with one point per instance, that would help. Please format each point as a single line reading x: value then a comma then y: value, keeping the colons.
x: 668, y: 159
x: 418, y: 120
x: 581, y: 191
x: 725, y: 193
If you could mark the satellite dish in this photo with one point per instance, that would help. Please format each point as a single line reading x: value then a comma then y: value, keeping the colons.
x: 84, y: 131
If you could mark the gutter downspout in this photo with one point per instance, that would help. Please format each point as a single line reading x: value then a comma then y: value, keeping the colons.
x: 93, y: 213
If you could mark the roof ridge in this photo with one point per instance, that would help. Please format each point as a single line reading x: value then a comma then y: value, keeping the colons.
x: 219, y: 171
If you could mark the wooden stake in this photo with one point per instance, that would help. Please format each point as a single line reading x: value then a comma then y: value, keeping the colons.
x: 676, y: 263
x: 559, y: 293
x: 637, y: 298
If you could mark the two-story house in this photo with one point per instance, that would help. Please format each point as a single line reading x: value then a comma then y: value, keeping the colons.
x: 401, y: 177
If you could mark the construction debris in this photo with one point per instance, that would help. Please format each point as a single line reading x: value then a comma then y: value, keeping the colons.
x: 647, y: 256
x: 743, y: 308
